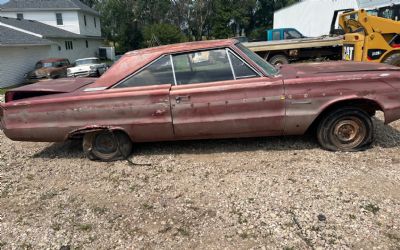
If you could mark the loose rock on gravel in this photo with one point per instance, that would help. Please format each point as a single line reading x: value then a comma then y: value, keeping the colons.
x: 262, y: 193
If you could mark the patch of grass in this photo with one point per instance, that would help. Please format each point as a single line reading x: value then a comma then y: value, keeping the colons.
x: 371, y: 208
x: 147, y: 206
x: 100, y: 210
x: 288, y: 248
x: 183, y: 231
x: 56, y: 226
x: 244, y: 235
x: 30, y: 177
x: 393, y: 237
x: 134, y: 188
x: 85, y: 227
x: 5, y: 191
x: 49, y: 195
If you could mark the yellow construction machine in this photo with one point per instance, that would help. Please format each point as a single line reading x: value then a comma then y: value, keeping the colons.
x: 370, y: 38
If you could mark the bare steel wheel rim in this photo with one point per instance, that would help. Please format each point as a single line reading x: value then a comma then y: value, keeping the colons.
x: 105, y: 143
x: 349, y: 133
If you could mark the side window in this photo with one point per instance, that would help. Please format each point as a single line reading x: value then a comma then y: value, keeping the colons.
x: 240, y: 68
x: 202, y: 67
x: 159, y: 72
x: 276, y: 35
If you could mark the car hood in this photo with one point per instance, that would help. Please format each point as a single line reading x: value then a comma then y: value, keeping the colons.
x: 59, y: 86
x: 339, y: 68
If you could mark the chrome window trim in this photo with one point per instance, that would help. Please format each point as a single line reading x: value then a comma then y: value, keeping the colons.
x: 173, y: 69
x: 230, y: 63
x: 248, y: 65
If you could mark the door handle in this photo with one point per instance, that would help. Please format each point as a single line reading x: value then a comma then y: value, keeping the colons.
x: 180, y: 99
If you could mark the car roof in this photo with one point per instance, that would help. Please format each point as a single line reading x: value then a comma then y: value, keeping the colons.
x: 50, y: 60
x: 182, y: 47
x: 134, y: 60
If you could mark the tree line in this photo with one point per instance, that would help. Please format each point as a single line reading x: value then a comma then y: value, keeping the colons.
x: 133, y: 24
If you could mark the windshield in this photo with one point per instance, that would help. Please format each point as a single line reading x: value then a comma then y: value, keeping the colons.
x: 268, y: 68
x: 87, y: 61
x: 45, y: 65
x: 292, y: 34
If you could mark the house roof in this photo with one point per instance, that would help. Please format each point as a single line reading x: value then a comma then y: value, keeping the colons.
x: 11, y: 37
x: 40, y: 5
x: 45, y: 30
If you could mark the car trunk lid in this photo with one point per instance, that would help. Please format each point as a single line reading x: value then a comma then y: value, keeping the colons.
x: 313, y: 69
x: 49, y: 87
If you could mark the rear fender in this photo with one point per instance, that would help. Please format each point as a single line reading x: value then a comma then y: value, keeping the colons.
x: 79, y: 133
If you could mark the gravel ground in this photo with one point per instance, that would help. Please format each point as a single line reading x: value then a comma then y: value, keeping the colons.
x: 264, y: 193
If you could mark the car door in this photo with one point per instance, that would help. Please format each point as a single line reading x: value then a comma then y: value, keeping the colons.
x: 219, y: 95
x: 140, y: 103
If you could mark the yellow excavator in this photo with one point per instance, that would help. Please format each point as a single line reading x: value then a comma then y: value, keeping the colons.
x: 370, y: 38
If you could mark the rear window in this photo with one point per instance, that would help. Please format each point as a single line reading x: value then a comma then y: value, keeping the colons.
x: 159, y: 72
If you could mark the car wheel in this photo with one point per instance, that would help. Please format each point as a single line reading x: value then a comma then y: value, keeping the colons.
x: 107, y: 145
x: 346, y: 129
x: 279, y: 60
x: 393, y: 60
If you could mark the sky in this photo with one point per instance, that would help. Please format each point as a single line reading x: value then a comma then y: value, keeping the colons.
x: 3, y: 1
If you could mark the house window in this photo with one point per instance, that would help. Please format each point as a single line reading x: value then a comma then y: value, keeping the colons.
x: 20, y: 16
x: 84, y: 20
x: 95, y: 22
x: 69, y: 45
x: 87, y: 44
x: 59, y: 48
x: 59, y: 19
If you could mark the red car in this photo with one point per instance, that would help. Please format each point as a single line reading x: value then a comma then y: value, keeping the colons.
x: 211, y: 89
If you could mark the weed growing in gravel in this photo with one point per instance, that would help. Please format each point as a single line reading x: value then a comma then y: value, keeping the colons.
x: 85, y: 227
x: 100, y: 210
x: 147, y: 206
x: 49, y: 195
x: 183, y: 231
x: 371, y: 208
x: 5, y: 191
x: 56, y: 226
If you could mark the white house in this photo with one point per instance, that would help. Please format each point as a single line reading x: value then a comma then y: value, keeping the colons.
x: 19, y: 51
x: 65, y: 29
x: 69, y: 15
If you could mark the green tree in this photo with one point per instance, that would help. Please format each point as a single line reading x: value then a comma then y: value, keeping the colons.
x: 162, y: 34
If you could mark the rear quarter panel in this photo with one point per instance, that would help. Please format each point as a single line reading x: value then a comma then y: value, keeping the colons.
x: 142, y: 112
x: 308, y: 97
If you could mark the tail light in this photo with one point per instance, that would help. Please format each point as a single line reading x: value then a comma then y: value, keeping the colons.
x: 9, y: 96
x: 1, y: 117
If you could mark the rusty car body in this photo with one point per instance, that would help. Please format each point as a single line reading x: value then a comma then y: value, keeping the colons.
x: 203, y: 90
x: 51, y: 68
